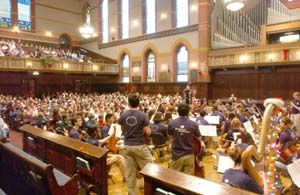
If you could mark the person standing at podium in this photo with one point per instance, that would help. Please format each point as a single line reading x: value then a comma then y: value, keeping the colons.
x: 135, y: 124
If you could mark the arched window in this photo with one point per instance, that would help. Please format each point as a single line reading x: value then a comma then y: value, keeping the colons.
x: 105, y: 21
x: 125, y: 18
x: 24, y: 15
x: 182, y: 13
x: 150, y: 16
x: 5, y: 13
x: 182, y: 64
x: 125, y: 69
x: 150, y: 67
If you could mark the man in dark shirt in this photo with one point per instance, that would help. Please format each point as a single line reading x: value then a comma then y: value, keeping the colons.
x: 134, y: 124
x: 295, y: 113
x: 109, y: 119
x: 183, y: 130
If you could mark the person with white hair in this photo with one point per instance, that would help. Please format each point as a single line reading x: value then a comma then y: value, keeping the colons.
x: 3, y: 129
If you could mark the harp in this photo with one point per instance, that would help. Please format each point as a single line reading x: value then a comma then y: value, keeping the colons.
x: 256, y: 154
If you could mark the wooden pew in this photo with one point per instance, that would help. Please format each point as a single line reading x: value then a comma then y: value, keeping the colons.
x: 61, y: 152
x: 37, y: 177
x: 156, y: 176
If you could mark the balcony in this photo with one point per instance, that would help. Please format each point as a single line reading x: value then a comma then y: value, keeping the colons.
x: 269, y: 55
x: 10, y: 63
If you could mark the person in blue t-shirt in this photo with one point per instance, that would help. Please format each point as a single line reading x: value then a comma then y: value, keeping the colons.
x: 183, y: 130
x: 237, y: 177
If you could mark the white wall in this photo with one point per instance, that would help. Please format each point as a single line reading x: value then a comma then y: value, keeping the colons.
x: 58, y: 17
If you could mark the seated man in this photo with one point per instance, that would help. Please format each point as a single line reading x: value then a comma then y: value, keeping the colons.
x: 111, y: 158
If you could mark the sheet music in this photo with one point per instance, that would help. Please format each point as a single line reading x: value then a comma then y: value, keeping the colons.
x: 248, y: 126
x: 225, y: 162
x: 118, y: 130
x: 208, y: 130
x: 212, y: 120
x: 192, y: 118
x: 255, y: 119
x: 294, y: 170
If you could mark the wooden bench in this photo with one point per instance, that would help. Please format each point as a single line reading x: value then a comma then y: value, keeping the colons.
x: 178, y: 183
x: 37, y: 176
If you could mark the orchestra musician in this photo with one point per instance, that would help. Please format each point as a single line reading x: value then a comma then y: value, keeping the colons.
x: 286, y: 147
x: 188, y: 95
x: 135, y: 124
x: 286, y: 144
x: 111, y: 157
x: 237, y: 177
x: 183, y: 130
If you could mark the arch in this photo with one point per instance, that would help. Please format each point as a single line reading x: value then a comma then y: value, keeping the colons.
x: 65, y: 41
x: 121, y: 54
x: 180, y: 42
x: 145, y: 52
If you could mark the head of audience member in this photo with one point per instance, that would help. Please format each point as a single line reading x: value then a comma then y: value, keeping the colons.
x: 133, y: 100
x: 158, y: 117
x: 235, y: 123
x: 183, y: 109
x: 109, y: 118
x: 231, y: 115
x: 76, y: 122
x: 202, y: 112
x: 91, y: 130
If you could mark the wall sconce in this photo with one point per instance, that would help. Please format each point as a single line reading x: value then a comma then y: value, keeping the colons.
x: 193, y: 65
x: 29, y: 64
x: 136, y: 69
x: 48, y: 34
x: 95, y: 34
x: 163, y: 16
x: 112, y: 29
x: 135, y: 23
x: 66, y: 66
x: 271, y: 57
x: 16, y: 29
x: 95, y: 68
x: 244, y: 58
x: 35, y: 73
x: 164, y: 67
x: 297, y: 55
x: 194, y: 8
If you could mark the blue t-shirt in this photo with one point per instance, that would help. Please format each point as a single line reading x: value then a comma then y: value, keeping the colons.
x: 159, y: 128
x: 182, y: 129
x: 294, y: 110
x: 133, y: 123
x: 286, y: 136
x: 92, y: 141
x: 238, y: 178
x: 201, y: 121
x: 104, y: 131
x: 74, y: 134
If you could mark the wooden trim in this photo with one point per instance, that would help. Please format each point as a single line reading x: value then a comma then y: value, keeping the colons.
x: 150, y: 36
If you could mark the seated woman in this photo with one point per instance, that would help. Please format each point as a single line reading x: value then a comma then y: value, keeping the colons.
x: 229, y: 138
x: 237, y: 177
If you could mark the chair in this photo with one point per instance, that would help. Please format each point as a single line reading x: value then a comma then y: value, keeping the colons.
x: 159, y: 142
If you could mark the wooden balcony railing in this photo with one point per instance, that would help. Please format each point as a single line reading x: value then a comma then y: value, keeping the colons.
x: 10, y: 63
x: 269, y: 55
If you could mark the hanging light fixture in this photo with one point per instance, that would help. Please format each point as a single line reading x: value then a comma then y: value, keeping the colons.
x: 234, y: 5
x: 86, y: 30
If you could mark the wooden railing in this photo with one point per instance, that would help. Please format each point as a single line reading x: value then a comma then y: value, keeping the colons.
x: 269, y: 55
x: 156, y: 176
x: 11, y: 63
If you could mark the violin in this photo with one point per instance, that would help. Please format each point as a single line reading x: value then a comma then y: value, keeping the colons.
x: 112, y: 144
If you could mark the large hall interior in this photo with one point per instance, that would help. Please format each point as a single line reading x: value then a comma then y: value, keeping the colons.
x: 153, y: 97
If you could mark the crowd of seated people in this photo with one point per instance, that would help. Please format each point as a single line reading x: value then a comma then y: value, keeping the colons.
x: 88, y: 117
x: 29, y: 50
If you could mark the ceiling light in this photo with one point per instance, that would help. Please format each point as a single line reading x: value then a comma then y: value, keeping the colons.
x: 234, y: 5
x: 86, y: 31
